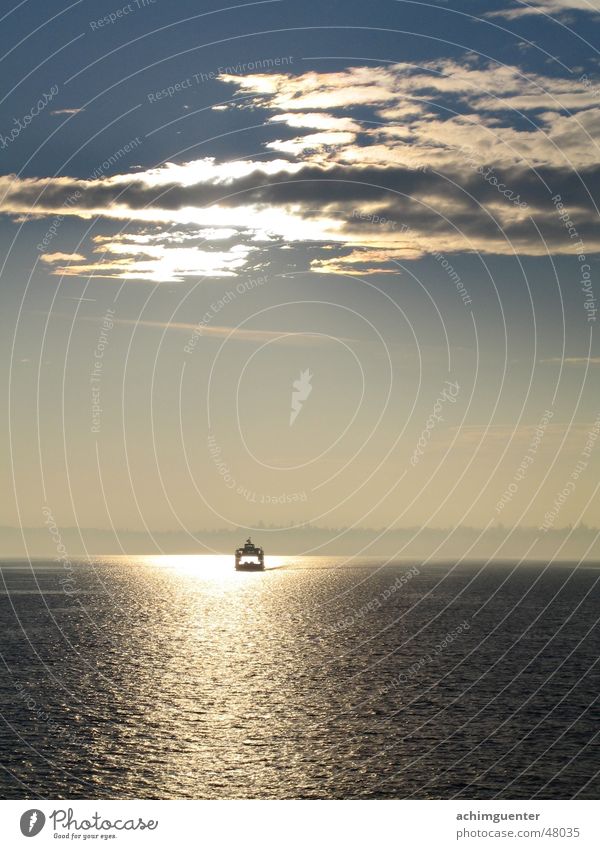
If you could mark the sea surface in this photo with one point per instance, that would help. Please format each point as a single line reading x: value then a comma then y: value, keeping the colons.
x: 176, y: 677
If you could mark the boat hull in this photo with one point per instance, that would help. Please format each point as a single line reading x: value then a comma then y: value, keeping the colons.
x: 249, y: 567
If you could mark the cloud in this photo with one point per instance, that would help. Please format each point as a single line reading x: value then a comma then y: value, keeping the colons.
x: 452, y: 156
x: 318, y: 202
x: 401, y: 90
x: 573, y: 361
x: 128, y: 258
x: 313, y: 143
x: 236, y: 334
x: 67, y: 111
x: 364, y: 261
x: 61, y: 257
x: 318, y: 121
x: 547, y: 7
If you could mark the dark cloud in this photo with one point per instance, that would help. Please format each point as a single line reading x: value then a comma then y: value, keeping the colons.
x: 312, y: 185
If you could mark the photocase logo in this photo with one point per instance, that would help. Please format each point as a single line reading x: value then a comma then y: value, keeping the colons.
x: 32, y: 822
x: 301, y: 390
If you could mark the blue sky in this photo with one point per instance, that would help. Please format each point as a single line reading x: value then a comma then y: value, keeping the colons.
x: 392, y: 195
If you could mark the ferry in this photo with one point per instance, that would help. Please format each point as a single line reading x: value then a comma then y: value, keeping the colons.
x: 249, y: 558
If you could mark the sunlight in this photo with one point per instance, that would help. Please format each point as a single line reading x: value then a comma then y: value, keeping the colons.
x: 212, y: 566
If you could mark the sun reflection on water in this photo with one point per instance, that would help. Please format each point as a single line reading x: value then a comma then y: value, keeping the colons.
x: 210, y: 566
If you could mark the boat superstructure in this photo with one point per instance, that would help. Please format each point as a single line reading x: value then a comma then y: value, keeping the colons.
x: 249, y: 557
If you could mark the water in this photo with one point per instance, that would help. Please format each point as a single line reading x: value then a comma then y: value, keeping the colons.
x: 176, y: 677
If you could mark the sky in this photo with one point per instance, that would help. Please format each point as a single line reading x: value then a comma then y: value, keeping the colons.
x: 278, y: 263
